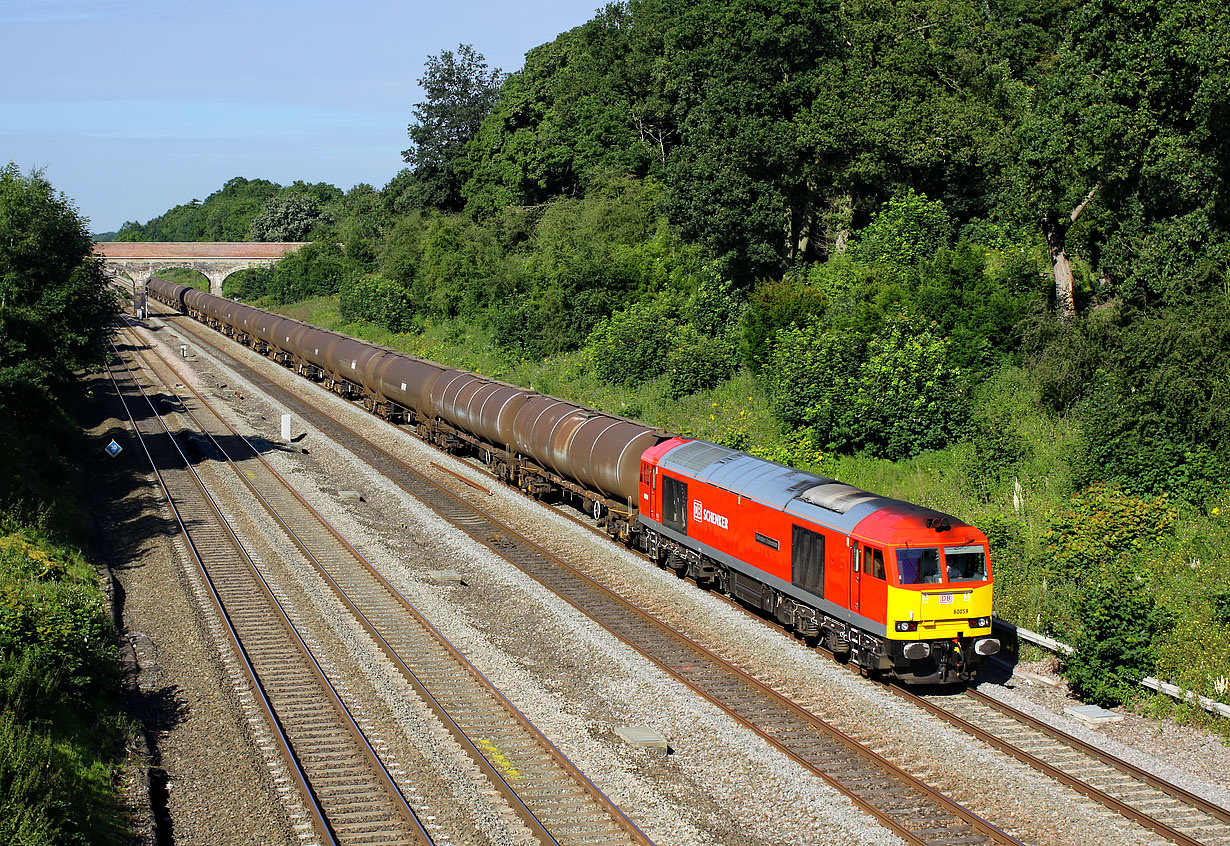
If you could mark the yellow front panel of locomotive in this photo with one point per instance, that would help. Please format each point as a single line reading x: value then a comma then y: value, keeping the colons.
x: 940, y: 611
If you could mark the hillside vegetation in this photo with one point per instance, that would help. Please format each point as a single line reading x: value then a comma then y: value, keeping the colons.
x: 61, y: 735
x: 970, y: 254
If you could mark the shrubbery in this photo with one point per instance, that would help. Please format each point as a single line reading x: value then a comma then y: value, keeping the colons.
x: 893, y: 395
x: 375, y: 299
x: 58, y: 678
x: 1119, y: 621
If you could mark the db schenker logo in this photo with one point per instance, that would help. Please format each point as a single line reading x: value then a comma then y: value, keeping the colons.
x: 704, y: 515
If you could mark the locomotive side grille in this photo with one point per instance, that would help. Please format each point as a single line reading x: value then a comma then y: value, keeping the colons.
x: 807, y: 560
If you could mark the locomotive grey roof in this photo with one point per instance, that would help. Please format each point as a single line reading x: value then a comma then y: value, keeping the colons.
x: 814, y: 498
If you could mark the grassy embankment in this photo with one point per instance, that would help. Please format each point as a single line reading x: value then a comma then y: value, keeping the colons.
x: 61, y: 729
x: 1024, y: 513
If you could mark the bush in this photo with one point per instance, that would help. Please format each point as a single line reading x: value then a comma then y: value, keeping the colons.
x: 375, y: 299
x: 697, y: 362
x: 1194, y: 654
x: 896, y: 395
x: 775, y: 306
x: 906, y: 231
x: 631, y: 346
x: 1119, y: 621
x: 1104, y: 524
x: 248, y: 284
x: 312, y: 271
x: 58, y: 679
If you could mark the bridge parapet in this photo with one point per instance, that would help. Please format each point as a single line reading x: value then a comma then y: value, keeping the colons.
x: 140, y: 260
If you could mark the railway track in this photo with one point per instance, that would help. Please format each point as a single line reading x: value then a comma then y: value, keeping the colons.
x: 349, y: 794
x: 554, y: 798
x: 1154, y: 803
x: 904, y: 804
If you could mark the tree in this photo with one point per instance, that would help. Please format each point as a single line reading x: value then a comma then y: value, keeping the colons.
x: 461, y: 91
x: 54, y: 301
x: 1123, y: 141
x: 54, y: 311
x: 288, y: 217
x: 225, y: 215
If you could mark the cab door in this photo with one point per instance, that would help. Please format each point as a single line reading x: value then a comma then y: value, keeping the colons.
x: 873, y: 586
x: 856, y: 560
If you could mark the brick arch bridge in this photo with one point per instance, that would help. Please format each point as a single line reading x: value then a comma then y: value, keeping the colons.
x: 140, y: 260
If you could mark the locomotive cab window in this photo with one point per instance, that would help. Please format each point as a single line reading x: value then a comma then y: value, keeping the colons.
x: 675, y: 504
x: 966, y: 563
x: 807, y: 560
x: 873, y: 562
x: 919, y: 566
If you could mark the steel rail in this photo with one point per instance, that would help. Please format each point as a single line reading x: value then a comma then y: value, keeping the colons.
x: 382, y: 773
x: 323, y: 421
x: 540, y: 829
x: 319, y: 822
x: 1126, y: 767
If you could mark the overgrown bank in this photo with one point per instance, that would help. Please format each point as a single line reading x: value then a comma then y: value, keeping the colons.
x: 61, y: 730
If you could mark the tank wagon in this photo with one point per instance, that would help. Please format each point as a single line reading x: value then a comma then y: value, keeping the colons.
x: 894, y: 587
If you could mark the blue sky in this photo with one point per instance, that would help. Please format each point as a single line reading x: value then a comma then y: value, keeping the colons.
x: 134, y: 106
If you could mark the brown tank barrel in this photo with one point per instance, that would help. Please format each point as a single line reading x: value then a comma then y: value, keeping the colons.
x: 605, y: 453
x: 407, y: 381
x: 535, y: 423
x: 493, y: 408
x: 196, y: 300
x: 244, y: 319
x: 267, y: 326
x: 312, y: 345
x: 348, y: 358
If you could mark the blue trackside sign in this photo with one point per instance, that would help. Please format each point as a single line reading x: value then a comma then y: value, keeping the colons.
x: 113, y: 449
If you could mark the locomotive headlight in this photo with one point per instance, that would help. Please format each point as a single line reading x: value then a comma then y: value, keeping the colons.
x: 980, y: 622
x: 907, y: 625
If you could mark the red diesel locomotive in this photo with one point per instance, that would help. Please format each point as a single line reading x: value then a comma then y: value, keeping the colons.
x: 896, y: 587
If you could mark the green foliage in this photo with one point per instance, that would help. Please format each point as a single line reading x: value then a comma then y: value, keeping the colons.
x: 375, y: 299
x: 894, y: 395
x: 774, y: 306
x: 908, y: 230
x: 1119, y: 620
x: 569, y: 119
x: 1194, y: 654
x: 184, y: 276
x: 51, y: 601
x: 290, y: 216
x: 697, y: 362
x: 226, y: 215
x: 58, y: 679
x: 54, y: 302
x: 460, y: 94
x: 586, y: 259
x: 1104, y: 524
x: 316, y: 269
x: 54, y: 308
x: 460, y: 269
x: 632, y: 345
x: 249, y: 284
x: 1156, y: 416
